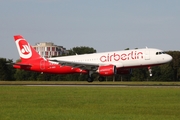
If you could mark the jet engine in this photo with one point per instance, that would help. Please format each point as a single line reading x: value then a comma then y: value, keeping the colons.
x: 107, y: 70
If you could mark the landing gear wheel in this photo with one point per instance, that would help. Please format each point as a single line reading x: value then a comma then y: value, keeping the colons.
x: 101, y: 78
x: 90, y: 79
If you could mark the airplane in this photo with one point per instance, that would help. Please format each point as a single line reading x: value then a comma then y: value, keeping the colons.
x: 105, y: 63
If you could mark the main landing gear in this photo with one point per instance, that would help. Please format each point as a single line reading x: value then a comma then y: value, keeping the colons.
x: 91, y: 78
x: 101, y: 78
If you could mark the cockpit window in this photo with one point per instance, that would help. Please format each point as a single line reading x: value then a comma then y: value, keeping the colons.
x: 159, y: 53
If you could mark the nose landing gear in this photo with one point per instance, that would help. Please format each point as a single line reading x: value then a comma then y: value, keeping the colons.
x: 150, y: 71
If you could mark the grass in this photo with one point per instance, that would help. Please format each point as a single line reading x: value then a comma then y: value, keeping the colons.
x: 90, y: 103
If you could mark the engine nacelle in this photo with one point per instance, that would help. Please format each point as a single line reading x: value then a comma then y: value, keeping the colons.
x: 108, y: 70
x: 124, y: 71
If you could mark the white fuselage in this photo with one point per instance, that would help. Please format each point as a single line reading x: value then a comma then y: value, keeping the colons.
x: 125, y: 58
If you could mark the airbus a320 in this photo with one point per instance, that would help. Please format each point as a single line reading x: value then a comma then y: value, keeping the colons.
x: 105, y: 63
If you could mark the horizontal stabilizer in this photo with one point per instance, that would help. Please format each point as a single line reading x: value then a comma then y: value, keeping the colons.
x: 22, y: 66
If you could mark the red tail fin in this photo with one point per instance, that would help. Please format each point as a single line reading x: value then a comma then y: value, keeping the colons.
x: 25, y: 50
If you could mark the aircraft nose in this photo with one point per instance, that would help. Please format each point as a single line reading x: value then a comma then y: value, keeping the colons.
x: 169, y: 58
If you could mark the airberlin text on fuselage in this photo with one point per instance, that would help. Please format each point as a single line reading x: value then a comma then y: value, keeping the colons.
x: 124, y: 56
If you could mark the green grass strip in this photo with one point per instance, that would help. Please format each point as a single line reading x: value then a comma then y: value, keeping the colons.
x: 89, y: 103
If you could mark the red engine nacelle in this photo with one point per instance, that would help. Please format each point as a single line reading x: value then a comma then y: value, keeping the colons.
x: 124, y: 71
x: 107, y: 70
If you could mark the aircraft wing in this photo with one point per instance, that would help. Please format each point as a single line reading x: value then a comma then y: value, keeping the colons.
x: 82, y: 65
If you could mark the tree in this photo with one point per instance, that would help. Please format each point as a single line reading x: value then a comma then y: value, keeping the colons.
x: 6, y: 70
x: 167, y: 72
x: 139, y: 74
x: 81, y: 50
x: 175, y: 64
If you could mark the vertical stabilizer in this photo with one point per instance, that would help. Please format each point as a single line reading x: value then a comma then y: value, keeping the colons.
x: 25, y: 50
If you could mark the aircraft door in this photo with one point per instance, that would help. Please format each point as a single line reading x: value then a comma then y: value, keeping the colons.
x: 147, y: 55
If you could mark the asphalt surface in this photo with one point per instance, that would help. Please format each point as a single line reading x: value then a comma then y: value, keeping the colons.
x: 105, y: 85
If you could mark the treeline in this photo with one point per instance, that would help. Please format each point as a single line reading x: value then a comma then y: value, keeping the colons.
x: 166, y: 72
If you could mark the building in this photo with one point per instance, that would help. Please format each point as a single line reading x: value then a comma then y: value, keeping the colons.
x: 48, y: 49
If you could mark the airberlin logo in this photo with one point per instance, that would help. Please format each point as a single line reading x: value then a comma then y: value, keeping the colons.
x: 24, y: 48
x: 124, y: 56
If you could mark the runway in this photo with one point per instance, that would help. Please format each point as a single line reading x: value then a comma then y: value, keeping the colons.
x: 105, y: 85
x: 86, y: 84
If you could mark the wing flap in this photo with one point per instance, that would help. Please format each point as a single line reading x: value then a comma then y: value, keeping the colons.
x: 82, y: 65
